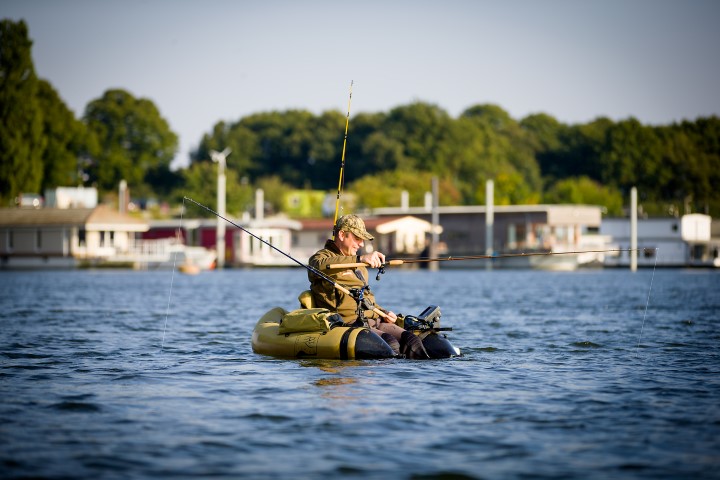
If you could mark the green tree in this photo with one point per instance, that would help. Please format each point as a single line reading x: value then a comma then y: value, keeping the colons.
x: 631, y: 156
x: 385, y: 189
x: 274, y: 190
x: 545, y: 136
x: 199, y: 182
x: 509, y: 149
x: 21, y: 118
x: 285, y: 144
x: 670, y: 164
x: 369, y: 149
x: 423, y: 130
x: 243, y: 143
x: 701, y: 168
x: 65, y: 136
x: 136, y: 143
x: 583, y: 190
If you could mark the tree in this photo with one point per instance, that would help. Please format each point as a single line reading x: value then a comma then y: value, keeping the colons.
x: 242, y: 141
x: 274, y: 190
x: 566, y: 151
x: 423, y: 129
x: 545, y: 136
x: 199, y: 182
x: 21, y: 121
x: 509, y: 148
x: 65, y: 136
x: 384, y: 189
x: 583, y: 190
x: 703, y: 169
x: 136, y: 141
x: 385, y: 151
x: 631, y: 156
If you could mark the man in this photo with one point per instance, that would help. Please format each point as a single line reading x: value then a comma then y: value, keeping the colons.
x: 349, y: 237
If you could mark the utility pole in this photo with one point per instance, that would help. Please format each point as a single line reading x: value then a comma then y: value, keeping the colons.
x: 489, y: 221
x: 435, y: 215
x: 633, y: 229
x: 220, y: 157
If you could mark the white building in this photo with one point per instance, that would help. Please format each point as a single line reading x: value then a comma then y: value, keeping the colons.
x: 278, y: 232
x: 53, y: 237
x: 546, y: 231
x: 664, y: 242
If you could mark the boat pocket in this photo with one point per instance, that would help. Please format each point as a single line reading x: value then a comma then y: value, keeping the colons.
x: 305, y: 320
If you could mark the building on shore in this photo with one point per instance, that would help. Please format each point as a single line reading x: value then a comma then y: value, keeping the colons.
x: 686, y: 241
x: 538, y: 229
x: 65, y: 237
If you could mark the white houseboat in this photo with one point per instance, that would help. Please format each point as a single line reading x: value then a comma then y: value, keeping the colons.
x: 664, y: 242
x: 65, y: 237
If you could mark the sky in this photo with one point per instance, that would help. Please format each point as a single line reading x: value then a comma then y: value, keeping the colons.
x: 202, y: 62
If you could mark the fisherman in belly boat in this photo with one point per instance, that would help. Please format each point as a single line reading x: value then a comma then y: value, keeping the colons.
x: 338, y: 317
x: 358, y: 307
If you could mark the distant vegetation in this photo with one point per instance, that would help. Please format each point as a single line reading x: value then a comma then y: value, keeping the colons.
x: 534, y: 160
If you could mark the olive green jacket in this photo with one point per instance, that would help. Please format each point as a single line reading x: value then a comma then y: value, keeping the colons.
x: 325, y: 295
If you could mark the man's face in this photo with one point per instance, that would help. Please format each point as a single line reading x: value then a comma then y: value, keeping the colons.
x: 349, y: 243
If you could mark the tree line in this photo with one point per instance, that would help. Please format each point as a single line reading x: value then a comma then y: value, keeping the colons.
x: 537, y: 159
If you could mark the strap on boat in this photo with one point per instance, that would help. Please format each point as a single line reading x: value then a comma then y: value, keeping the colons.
x: 344, y: 340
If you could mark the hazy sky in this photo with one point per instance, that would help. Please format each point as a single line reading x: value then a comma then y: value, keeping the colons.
x: 205, y: 61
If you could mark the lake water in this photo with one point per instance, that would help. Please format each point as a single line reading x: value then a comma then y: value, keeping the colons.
x: 106, y: 374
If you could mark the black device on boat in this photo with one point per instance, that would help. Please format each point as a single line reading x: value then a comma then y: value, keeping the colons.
x: 429, y: 319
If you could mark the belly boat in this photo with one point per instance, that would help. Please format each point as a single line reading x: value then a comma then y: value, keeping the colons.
x: 308, y: 333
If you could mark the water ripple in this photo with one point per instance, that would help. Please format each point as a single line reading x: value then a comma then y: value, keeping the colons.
x: 555, y: 381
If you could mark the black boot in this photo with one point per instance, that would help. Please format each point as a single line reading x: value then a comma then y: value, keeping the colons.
x: 411, y: 346
x: 392, y: 341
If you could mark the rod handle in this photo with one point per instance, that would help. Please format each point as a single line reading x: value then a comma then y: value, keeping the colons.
x: 335, y: 266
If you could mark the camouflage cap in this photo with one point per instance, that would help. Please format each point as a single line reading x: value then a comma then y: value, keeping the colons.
x: 354, y: 224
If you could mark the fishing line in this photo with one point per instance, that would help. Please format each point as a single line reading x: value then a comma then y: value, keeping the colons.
x: 647, y: 303
x: 172, y: 277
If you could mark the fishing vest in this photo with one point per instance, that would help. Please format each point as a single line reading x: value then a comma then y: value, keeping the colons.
x: 325, y: 295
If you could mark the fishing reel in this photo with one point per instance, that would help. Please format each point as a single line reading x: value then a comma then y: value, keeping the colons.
x: 381, y: 270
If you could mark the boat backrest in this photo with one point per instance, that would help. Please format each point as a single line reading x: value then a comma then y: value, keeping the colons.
x: 306, y: 299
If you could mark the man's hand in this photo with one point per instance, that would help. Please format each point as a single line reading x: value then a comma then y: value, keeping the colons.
x: 391, y: 317
x: 374, y: 259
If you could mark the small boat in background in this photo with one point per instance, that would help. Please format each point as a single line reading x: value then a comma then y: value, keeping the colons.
x: 189, y: 268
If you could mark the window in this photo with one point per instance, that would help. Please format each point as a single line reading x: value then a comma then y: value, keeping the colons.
x: 81, y: 237
x: 38, y: 240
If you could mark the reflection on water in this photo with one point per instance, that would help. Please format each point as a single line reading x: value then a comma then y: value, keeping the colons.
x: 555, y: 380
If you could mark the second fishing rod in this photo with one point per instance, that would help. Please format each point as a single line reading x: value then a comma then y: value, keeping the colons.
x: 404, y: 261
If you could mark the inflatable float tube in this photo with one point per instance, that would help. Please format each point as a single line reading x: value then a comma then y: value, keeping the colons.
x: 306, y: 333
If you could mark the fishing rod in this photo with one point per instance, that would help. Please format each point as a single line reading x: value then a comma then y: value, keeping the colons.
x: 357, y: 294
x: 342, y: 162
x: 401, y: 261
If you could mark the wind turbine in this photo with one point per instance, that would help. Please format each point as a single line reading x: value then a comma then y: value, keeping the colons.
x: 220, y: 157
